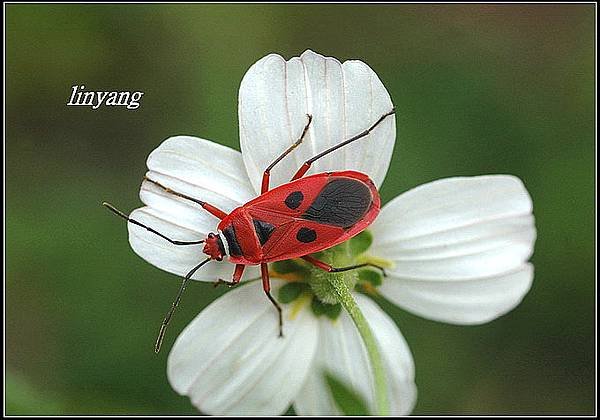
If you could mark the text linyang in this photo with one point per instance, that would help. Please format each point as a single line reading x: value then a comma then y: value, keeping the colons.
x: 97, y: 99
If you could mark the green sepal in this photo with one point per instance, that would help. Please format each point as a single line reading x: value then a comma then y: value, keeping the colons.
x: 289, y: 292
x: 288, y: 266
x: 375, y: 278
x: 347, y: 400
x: 360, y: 243
x: 330, y: 311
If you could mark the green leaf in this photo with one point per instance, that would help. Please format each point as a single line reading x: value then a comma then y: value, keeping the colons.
x: 361, y: 242
x: 370, y: 276
x: 347, y: 400
x: 330, y: 311
x: 289, y: 292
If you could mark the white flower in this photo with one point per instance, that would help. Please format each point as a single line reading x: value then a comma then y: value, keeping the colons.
x: 456, y: 249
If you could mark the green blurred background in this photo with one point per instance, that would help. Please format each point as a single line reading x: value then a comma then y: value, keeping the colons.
x: 479, y: 89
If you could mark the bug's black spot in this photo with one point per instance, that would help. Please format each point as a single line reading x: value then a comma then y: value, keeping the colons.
x: 263, y: 230
x: 306, y: 235
x: 234, y: 246
x: 294, y: 199
x: 342, y: 202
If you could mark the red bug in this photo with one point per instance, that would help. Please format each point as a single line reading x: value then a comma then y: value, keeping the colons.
x: 307, y: 215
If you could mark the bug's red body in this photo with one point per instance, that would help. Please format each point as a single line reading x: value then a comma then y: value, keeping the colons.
x: 301, y: 217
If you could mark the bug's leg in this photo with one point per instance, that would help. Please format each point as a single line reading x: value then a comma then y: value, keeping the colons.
x: 149, y: 229
x: 306, y: 166
x: 326, y: 267
x: 237, y: 276
x: 163, y: 326
x: 220, y: 214
x: 264, y: 271
x: 267, y: 173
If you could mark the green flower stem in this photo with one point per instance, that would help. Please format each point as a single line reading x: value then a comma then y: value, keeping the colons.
x: 347, y: 300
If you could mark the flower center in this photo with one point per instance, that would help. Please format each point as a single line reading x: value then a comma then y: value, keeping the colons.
x: 307, y: 282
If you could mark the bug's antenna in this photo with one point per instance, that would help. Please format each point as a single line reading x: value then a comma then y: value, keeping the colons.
x: 163, y: 327
x: 148, y: 228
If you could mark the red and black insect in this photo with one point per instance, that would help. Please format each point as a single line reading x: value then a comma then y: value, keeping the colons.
x: 307, y: 215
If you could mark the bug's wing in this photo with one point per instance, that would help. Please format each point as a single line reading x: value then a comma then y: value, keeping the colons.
x: 291, y: 199
x: 313, y: 213
x: 301, y: 237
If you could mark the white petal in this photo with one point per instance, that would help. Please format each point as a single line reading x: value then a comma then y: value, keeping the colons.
x: 464, y: 302
x: 457, y: 228
x: 230, y: 361
x: 342, y: 352
x: 200, y: 169
x: 459, y: 246
x: 344, y: 99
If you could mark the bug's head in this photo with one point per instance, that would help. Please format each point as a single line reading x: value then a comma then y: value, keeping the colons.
x: 213, y: 247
